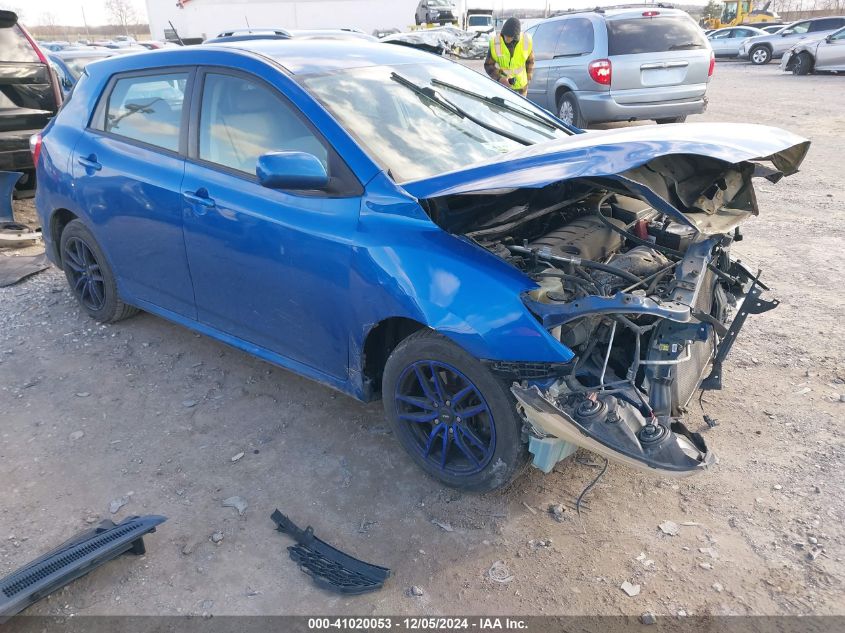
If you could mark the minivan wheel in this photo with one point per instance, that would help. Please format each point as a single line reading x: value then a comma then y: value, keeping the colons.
x: 803, y: 64
x: 451, y: 414
x: 760, y: 55
x: 568, y: 110
x: 89, y: 275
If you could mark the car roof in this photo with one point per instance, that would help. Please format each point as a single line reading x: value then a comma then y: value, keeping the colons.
x: 620, y: 13
x: 309, y: 56
x: 85, y: 52
x: 297, y: 56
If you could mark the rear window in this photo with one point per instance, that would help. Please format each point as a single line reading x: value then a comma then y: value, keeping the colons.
x: 653, y: 35
x: 14, y: 47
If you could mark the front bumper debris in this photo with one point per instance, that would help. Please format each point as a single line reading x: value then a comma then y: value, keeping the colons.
x: 73, y: 559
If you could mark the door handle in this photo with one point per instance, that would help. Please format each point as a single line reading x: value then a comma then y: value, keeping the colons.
x: 89, y: 162
x: 200, y: 199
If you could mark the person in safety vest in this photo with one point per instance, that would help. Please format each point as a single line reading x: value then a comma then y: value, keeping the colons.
x: 510, y: 59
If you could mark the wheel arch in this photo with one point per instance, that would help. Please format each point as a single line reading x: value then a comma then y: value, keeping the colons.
x: 379, y: 342
x: 59, y: 219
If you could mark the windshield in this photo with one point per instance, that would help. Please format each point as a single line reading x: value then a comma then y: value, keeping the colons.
x: 480, y: 20
x: 414, y: 136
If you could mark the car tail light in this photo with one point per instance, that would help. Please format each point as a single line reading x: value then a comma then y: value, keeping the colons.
x: 35, y: 147
x: 712, y: 64
x: 650, y: 14
x: 601, y: 71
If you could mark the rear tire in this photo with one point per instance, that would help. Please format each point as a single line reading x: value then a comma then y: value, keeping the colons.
x: 676, y: 119
x: 429, y: 383
x: 803, y: 64
x: 760, y: 55
x: 89, y: 275
x: 569, y: 111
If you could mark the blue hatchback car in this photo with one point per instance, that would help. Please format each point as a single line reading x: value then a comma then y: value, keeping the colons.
x: 398, y: 226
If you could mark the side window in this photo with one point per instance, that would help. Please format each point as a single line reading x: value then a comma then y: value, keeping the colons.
x: 240, y: 120
x: 839, y: 36
x: 741, y: 33
x: 722, y: 35
x: 147, y: 109
x: 800, y: 28
x: 545, y: 39
x: 577, y: 38
x: 828, y: 24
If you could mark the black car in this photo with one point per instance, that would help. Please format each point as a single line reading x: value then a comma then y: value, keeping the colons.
x: 29, y: 97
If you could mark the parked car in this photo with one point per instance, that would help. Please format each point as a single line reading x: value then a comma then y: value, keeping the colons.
x: 398, y: 226
x: 823, y: 54
x: 726, y: 42
x: 69, y: 63
x: 436, y: 12
x: 773, y: 28
x: 244, y: 35
x: 763, y: 48
x: 620, y: 65
x: 29, y: 97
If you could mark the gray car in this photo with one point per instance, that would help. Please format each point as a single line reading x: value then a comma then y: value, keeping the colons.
x: 823, y: 54
x: 436, y: 12
x: 620, y: 65
x: 763, y: 48
x: 726, y: 42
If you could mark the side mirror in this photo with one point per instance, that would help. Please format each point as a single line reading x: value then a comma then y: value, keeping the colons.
x: 291, y: 170
x: 828, y: 39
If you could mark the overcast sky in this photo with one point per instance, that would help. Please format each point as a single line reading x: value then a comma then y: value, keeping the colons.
x: 69, y: 12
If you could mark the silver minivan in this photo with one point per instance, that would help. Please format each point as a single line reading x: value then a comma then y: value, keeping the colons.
x: 621, y: 65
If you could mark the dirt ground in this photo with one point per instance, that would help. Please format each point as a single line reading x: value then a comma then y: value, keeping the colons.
x: 150, y: 412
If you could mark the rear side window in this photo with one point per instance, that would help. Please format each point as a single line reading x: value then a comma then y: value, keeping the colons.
x: 14, y: 47
x: 653, y: 35
x: 147, y: 109
x: 545, y: 39
x: 827, y: 24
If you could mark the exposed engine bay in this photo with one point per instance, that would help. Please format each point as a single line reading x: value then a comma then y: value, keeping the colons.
x: 633, y: 274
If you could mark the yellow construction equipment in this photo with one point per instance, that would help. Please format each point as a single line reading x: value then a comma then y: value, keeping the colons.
x: 737, y: 12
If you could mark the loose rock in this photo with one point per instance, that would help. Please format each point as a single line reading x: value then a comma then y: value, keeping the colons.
x: 117, y: 504
x: 717, y: 587
x: 631, y: 590
x: 648, y: 618
x: 238, y: 503
x: 217, y: 537
x: 557, y: 510
x: 238, y: 456
x: 77, y: 435
x: 82, y: 394
x: 443, y: 526
x: 188, y: 404
x: 416, y: 592
x: 670, y: 527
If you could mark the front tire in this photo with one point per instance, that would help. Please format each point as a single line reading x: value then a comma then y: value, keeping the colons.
x: 89, y: 275
x: 452, y: 415
x: 760, y: 55
x: 803, y: 64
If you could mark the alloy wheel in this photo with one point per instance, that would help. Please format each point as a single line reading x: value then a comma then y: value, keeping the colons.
x: 86, y: 279
x: 449, y: 420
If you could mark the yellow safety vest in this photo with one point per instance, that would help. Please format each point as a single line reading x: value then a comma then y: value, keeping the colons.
x: 512, y: 66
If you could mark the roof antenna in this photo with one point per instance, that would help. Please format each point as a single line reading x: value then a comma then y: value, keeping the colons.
x: 246, y: 19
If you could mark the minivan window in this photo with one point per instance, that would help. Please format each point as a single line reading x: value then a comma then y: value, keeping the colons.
x: 800, y: 27
x: 148, y: 109
x: 653, y: 35
x: 545, y: 39
x: 14, y: 47
x: 240, y: 120
x: 576, y: 38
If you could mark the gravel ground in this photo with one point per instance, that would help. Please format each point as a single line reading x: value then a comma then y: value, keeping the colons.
x: 149, y: 413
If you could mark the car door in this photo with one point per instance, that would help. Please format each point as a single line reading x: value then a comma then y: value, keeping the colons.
x: 722, y: 42
x: 787, y: 38
x: 128, y: 170
x: 270, y: 267
x: 830, y: 55
x: 544, y: 38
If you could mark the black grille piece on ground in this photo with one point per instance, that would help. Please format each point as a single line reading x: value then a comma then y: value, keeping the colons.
x: 330, y: 568
x: 72, y: 559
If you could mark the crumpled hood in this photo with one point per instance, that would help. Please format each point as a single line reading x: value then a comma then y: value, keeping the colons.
x: 611, y: 152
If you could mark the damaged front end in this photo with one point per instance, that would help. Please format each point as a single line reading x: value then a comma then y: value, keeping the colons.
x: 634, y: 275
